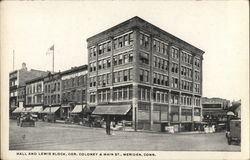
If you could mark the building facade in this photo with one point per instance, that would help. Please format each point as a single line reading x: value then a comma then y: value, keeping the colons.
x: 155, y: 73
x: 74, y: 83
x: 215, y: 110
x: 52, y: 94
x: 35, y: 94
x: 17, y: 81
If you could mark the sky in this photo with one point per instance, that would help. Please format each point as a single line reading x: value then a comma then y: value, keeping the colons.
x: 219, y: 28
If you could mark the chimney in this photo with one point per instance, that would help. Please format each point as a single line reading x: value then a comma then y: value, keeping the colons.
x: 24, y: 66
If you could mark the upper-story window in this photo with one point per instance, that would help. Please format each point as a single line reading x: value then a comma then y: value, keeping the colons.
x: 144, y: 58
x: 92, y: 51
x: 123, y: 58
x: 160, y: 46
x: 174, y: 53
x: 124, y: 40
x: 197, y: 62
x: 144, y: 75
x: 144, y: 40
x: 186, y: 57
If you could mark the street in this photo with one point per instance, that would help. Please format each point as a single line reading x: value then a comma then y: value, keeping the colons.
x: 55, y: 136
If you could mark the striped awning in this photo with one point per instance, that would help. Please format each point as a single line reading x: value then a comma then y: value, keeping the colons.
x: 50, y: 110
x: 78, y: 109
x: 27, y: 109
x: 18, y: 110
x: 112, y: 109
x: 37, y: 109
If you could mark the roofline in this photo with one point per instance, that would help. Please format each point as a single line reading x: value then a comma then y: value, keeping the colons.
x: 171, y: 36
x: 75, y: 69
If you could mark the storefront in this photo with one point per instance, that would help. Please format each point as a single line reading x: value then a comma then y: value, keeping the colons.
x: 50, y: 114
x: 114, y: 113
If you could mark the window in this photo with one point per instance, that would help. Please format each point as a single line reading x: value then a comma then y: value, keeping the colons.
x: 104, y: 64
x: 115, y: 43
x: 115, y: 77
x: 125, y: 75
x: 126, y: 42
x: 146, y: 75
x: 120, y: 94
x: 154, y: 76
x: 131, y: 76
x: 120, y: 59
x: 155, y: 61
x: 131, y: 57
x: 109, y: 46
x: 120, y: 76
x: 108, y: 63
x: 104, y: 47
x: 115, y: 94
x: 141, y: 75
x: 131, y: 38
x: 108, y: 78
x: 120, y: 42
x: 115, y: 59
x: 99, y: 64
x: 144, y: 58
x: 130, y: 92
x: 125, y: 93
x: 125, y: 58
x: 100, y: 49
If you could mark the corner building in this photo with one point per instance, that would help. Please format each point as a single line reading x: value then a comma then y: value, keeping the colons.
x: 158, y: 75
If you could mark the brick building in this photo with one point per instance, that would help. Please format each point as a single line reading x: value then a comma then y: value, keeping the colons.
x: 52, y: 95
x: 139, y: 72
x: 17, y: 81
x: 35, y: 94
x: 74, y: 83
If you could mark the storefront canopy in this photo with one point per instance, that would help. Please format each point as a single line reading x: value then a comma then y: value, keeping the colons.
x: 112, y: 110
x: 50, y: 110
x: 27, y: 109
x: 37, y: 109
x: 78, y: 109
x: 18, y: 110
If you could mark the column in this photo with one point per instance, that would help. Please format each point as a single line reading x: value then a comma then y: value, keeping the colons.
x: 135, y: 106
x: 151, y: 108
x: 192, y: 118
x: 179, y: 104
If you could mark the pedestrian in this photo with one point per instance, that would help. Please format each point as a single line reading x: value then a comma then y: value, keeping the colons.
x: 108, y: 125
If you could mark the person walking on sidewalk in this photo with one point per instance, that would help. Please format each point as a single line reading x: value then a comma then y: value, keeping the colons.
x: 108, y: 125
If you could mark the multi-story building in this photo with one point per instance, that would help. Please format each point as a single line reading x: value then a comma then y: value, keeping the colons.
x: 74, y: 83
x: 17, y: 81
x: 35, y: 94
x: 52, y: 94
x: 138, y: 66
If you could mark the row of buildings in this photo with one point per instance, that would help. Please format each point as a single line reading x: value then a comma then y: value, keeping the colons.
x: 136, y: 72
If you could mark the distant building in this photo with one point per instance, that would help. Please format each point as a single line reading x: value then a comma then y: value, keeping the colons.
x: 74, y: 91
x: 17, y: 81
x: 215, y: 109
x: 52, y: 95
x: 35, y: 94
x: 142, y: 74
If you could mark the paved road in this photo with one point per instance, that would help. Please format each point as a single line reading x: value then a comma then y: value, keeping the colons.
x: 50, y: 136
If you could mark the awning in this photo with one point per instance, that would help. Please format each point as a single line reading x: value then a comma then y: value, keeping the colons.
x: 37, y: 109
x: 112, y: 110
x: 18, y: 110
x: 54, y: 109
x: 50, y: 110
x: 27, y: 109
x: 78, y: 109
x: 46, y: 110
